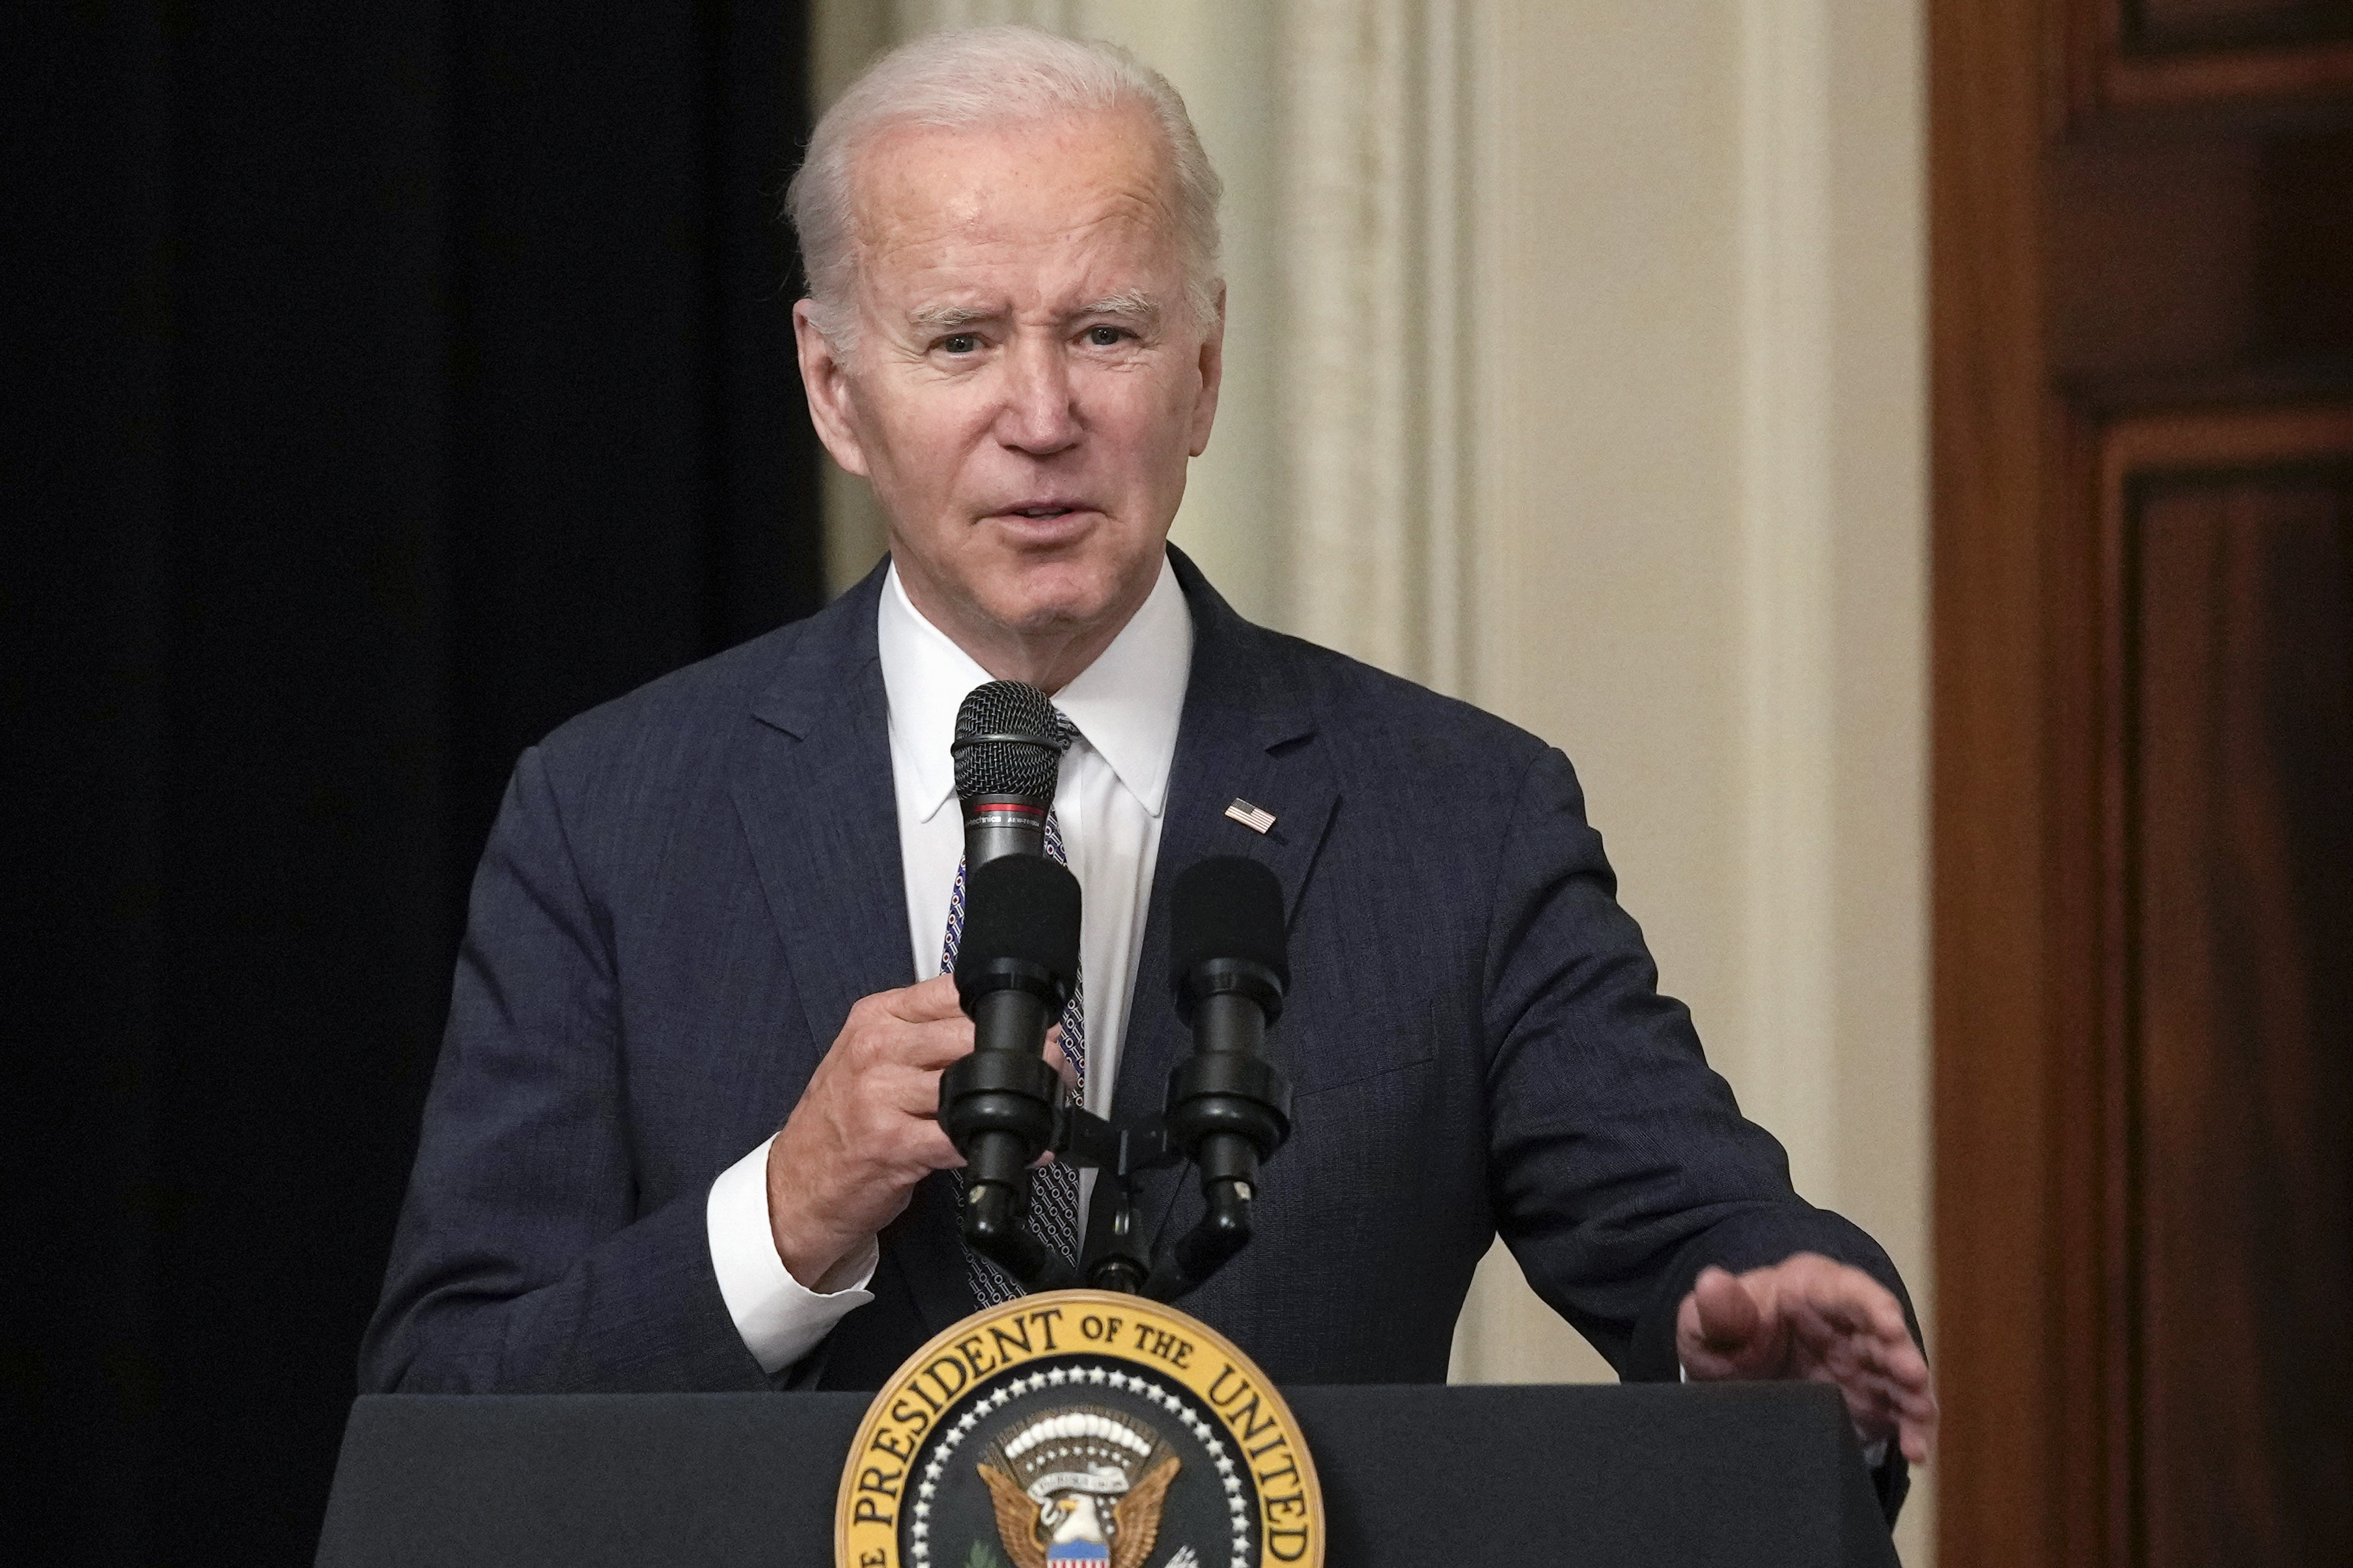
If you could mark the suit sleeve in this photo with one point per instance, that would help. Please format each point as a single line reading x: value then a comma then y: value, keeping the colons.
x: 1620, y: 1164
x: 521, y: 1262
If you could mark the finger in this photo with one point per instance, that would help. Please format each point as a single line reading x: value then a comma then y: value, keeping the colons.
x: 1824, y: 1334
x: 1882, y: 1407
x: 1874, y: 1420
x: 1917, y: 1435
x: 901, y: 1130
x: 1915, y: 1397
x: 936, y: 1150
x: 933, y: 1046
x: 1905, y: 1389
x: 1063, y: 1067
x: 1906, y: 1368
x: 1898, y: 1375
x: 1827, y: 1302
x: 1727, y: 1316
x: 1884, y: 1411
x: 1707, y: 1336
x: 1698, y: 1361
x: 1846, y: 1353
x: 927, y: 1003
x: 906, y: 1093
x: 1867, y: 1393
x: 1843, y: 1294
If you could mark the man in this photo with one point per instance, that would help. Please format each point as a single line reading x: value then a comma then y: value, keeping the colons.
x: 682, y: 1136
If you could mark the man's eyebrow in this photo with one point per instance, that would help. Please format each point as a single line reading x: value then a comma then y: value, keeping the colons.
x: 1134, y: 306
x: 948, y: 317
x: 933, y: 320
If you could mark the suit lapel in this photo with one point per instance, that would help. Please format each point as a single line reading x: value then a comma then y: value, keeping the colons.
x: 1247, y: 732
x: 811, y: 783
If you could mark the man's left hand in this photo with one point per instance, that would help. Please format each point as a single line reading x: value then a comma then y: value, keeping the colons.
x: 1810, y: 1317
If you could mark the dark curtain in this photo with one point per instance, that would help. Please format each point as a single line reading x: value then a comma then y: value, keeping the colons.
x: 385, y: 383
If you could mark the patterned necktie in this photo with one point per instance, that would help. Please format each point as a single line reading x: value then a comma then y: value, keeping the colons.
x: 1054, y: 1189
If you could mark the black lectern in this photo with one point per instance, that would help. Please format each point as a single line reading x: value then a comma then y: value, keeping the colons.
x: 1758, y: 1475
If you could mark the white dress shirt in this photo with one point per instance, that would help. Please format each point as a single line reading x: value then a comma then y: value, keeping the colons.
x: 1108, y: 802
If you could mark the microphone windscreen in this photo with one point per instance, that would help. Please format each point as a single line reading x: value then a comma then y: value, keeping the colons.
x: 1023, y: 907
x: 1008, y: 741
x: 1227, y: 907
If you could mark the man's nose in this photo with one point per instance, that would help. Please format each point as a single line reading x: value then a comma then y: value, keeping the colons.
x: 1040, y: 414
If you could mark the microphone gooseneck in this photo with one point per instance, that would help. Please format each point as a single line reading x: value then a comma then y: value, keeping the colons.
x: 1008, y: 749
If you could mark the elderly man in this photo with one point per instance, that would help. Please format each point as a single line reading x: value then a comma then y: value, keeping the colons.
x: 682, y: 1131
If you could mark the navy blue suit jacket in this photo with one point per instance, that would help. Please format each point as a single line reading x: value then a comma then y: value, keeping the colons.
x: 687, y: 889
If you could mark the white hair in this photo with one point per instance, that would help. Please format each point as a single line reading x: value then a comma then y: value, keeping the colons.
x: 967, y: 77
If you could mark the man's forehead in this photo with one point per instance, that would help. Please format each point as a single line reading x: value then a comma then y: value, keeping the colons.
x: 1008, y: 185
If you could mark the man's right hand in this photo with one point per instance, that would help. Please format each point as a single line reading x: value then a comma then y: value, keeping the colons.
x: 866, y: 1129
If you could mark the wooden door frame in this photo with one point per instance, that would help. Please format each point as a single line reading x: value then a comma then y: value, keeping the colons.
x: 1998, y: 981
x: 2031, y: 1360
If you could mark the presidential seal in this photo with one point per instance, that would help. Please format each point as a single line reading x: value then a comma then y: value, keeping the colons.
x: 1084, y: 1428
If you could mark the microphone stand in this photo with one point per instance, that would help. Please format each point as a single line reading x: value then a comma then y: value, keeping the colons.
x: 1227, y: 1112
x: 1227, y: 1108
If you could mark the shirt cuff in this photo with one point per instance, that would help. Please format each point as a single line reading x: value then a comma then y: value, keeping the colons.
x: 780, y: 1319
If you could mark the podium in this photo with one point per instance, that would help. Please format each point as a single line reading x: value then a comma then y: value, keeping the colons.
x: 1759, y: 1475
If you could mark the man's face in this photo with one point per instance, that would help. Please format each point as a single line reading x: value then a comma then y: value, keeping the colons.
x: 1027, y: 383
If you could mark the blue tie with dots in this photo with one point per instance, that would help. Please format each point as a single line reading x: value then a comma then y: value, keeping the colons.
x: 1054, y: 1189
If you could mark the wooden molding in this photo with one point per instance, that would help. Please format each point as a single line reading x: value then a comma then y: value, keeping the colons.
x: 2102, y: 73
x: 2274, y: 75
x: 2093, y: 937
x: 1996, y: 1245
x: 2217, y: 438
x: 2110, y: 453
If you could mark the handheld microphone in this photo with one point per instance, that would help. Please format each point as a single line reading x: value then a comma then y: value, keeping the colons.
x: 1228, y: 1108
x: 1016, y: 965
x: 1008, y: 749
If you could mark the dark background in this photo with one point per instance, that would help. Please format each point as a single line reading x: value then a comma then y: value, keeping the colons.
x: 385, y: 383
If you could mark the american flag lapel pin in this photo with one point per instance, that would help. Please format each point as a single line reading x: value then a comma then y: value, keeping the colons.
x: 1257, y: 818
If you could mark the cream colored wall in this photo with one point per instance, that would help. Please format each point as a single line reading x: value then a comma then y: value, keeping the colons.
x: 1699, y: 539
x: 1576, y: 367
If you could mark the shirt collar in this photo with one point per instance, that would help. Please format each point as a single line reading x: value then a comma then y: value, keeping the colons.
x: 1127, y: 703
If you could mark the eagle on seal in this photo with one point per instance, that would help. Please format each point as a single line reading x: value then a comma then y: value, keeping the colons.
x: 1079, y: 1489
x: 1071, y: 1528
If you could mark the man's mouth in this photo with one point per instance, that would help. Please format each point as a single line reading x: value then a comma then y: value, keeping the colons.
x: 1045, y: 510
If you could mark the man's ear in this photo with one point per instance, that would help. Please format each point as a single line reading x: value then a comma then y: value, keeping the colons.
x: 1213, y: 375
x: 826, y: 380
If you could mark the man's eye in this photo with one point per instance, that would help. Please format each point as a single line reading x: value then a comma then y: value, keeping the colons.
x: 1105, y: 337
x: 960, y: 343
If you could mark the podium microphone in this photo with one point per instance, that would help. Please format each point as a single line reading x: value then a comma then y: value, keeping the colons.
x: 1016, y: 968
x: 1228, y: 1108
x: 1008, y: 751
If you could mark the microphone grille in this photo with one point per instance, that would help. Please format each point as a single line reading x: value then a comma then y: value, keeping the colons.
x: 1227, y: 907
x: 1008, y: 741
